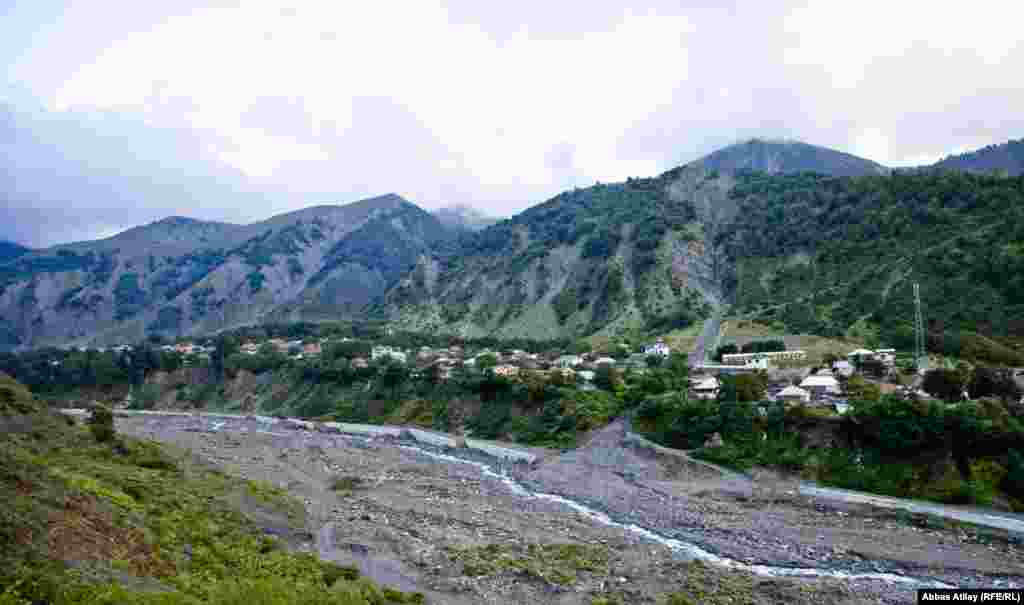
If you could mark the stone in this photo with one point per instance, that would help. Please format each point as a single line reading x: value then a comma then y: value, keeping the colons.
x: 714, y: 441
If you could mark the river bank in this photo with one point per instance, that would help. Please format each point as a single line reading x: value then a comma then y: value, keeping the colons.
x: 415, y: 521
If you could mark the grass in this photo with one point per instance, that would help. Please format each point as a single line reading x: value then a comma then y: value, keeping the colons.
x: 553, y: 563
x: 743, y: 331
x: 131, y: 522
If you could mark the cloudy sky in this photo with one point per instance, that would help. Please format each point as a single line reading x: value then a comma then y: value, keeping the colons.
x: 118, y: 113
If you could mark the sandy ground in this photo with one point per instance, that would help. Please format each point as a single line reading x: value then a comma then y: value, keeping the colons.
x: 406, y: 512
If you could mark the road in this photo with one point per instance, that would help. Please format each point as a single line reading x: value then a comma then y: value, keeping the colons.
x: 707, y: 340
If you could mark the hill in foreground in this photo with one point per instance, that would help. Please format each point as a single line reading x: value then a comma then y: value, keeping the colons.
x: 102, y: 519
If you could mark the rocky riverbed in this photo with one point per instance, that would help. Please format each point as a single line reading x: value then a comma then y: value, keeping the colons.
x: 460, y: 533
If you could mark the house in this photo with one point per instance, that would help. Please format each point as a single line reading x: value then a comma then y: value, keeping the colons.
x: 820, y: 386
x: 506, y: 371
x: 587, y: 375
x: 824, y: 372
x: 707, y: 388
x: 605, y: 361
x: 360, y: 363
x: 859, y: 353
x: 250, y: 348
x: 380, y: 351
x: 794, y: 394
x: 658, y: 348
x: 886, y: 356
x: 312, y: 349
x: 568, y: 361
x: 842, y: 368
x: 744, y: 358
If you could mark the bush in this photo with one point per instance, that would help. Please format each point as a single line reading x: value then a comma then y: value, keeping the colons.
x: 101, y: 424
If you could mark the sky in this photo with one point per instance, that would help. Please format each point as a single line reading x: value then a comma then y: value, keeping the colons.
x: 114, y: 114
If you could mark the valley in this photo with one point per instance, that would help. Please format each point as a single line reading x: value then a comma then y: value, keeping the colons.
x: 439, y: 523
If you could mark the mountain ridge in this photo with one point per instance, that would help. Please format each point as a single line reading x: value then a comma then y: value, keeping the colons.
x: 643, y: 255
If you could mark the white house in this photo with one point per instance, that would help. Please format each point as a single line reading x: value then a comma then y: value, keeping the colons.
x: 707, y: 388
x: 586, y: 375
x: 821, y: 385
x: 605, y: 361
x: 794, y: 394
x: 658, y: 348
x: 843, y: 368
x: 568, y: 361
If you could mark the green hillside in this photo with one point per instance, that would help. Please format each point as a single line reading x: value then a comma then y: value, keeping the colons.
x: 94, y: 518
x: 826, y: 255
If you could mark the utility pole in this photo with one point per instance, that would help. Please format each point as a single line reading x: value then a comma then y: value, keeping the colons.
x: 920, y: 351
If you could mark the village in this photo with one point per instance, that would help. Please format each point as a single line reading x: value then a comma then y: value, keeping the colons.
x: 788, y: 376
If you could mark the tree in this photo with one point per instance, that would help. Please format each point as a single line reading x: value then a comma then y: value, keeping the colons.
x: 859, y: 389
x: 751, y: 387
x: 392, y: 375
x: 608, y: 378
x: 993, y: 382
x: 944, y: 384
x: 486, y: 361
x: 101, y: 424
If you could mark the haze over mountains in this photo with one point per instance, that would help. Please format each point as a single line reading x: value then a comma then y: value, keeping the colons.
x: 645, y: 255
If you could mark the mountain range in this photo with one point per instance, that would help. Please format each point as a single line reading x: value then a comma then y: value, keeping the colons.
x: 770, y: 227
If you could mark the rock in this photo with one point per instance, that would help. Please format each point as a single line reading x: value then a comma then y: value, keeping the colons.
x: 714, y: 441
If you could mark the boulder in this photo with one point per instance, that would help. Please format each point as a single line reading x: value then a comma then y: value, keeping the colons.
x: 714, y: 441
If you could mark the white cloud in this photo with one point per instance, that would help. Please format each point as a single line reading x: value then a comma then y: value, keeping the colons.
x: 469, y: 102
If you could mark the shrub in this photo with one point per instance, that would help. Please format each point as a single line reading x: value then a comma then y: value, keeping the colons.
x: 101, y: 424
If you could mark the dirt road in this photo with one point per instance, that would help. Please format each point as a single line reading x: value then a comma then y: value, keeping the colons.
x: 460, y: 532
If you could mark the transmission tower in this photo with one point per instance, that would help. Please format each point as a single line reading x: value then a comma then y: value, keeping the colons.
x: 920, y: 352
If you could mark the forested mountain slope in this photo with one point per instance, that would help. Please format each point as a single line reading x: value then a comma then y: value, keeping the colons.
x: 830, y: 255
x: 608, y: 258
x: 182, y: 276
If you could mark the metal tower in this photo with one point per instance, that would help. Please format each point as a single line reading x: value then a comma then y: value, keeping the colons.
x: 920, y: 351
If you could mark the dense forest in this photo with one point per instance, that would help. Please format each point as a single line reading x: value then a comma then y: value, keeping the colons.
x: 820, y: 254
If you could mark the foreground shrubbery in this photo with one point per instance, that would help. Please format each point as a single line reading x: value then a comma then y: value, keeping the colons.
x: 96, y: 518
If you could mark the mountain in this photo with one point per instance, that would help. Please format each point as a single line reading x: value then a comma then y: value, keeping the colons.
x: 834, y: 256
x: 464, y: 218
x: 10, y: 251
x: 1006, y: 159
x: 622, y: 257
x: 785, y: 157
x: 181, y: 276
x: 805, y: 238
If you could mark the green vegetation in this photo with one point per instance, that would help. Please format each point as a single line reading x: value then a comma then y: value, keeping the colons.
x: 127, y: 522
x: 551, y: 563
x: 128, y: 296
x: 820, y: 254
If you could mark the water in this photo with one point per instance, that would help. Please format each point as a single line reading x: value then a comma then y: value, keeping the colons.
x: 686, y: 549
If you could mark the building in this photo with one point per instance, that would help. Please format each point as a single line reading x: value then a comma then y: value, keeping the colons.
x: 743, y: 358
x: 658, y: 348
x: 707, y: 388
x: 819, y: 386
x: 842, y: 368
x: 359, y: 363
x: 605, y: 361
x: 794, y: 394
x: 587, y: 375
x: 312, y: 349
x: 506, y: 371
x: 250, y: 348
x: 568, y: 361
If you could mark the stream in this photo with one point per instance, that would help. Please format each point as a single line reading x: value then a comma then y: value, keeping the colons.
x: 681, y: 547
